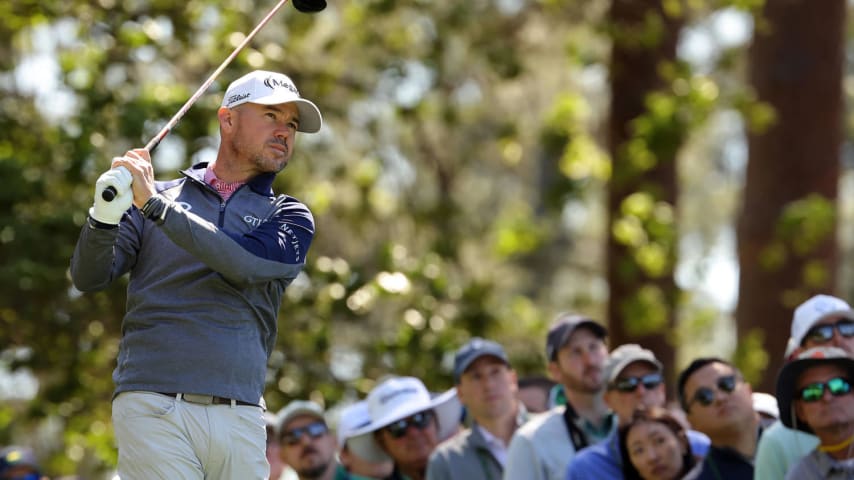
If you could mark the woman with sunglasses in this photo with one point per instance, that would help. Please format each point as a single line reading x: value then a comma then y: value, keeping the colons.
x: 815, y: 396
x: 654, y: 446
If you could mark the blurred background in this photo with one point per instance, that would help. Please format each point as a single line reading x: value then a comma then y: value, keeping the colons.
x: 678, y: 169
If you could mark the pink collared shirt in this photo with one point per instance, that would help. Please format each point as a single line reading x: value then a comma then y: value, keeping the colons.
x: 225, y: 189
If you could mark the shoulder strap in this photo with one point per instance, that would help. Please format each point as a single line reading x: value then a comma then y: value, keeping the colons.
x: 576, y: 436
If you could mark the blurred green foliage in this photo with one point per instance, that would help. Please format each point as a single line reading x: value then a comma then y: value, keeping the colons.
x: 456, y: 185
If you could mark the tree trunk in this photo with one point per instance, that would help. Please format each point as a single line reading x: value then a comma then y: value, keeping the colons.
x: 636, y: 297
x: 796, y: 63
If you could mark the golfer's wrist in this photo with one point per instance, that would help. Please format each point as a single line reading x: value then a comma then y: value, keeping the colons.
x: 155, y: 209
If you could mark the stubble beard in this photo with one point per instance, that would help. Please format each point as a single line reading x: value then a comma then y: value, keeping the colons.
x: 314, y: 472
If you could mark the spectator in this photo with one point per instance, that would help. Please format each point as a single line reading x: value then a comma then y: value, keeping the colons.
x: 352, y: 418
x: 307, y: 445
x: 765, y: 405
x: 542, y: 448
x: 635, y: 380
x: 279, y: 470
x: 19, y: 463
x: 407, y: 424
x: 822, y: 320
x: 487, y: 387
x: 534, y: 393
x: 654, y: 445
x: 816, y: 397
x: 718, y: 402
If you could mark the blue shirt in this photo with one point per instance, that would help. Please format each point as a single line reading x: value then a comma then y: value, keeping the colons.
x: 603, y: 461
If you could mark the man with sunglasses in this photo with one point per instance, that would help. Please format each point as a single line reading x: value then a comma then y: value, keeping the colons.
x: 815, y: 396
x: 823, y: 320
x: 634, y: 379
x: 718, y: 402
x: 306, y: 443
x: 487, y: 387
x: 542, y: 448
x: 407, y: 423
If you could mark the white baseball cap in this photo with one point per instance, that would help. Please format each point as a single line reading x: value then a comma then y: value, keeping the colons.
x: 815, y: 310
x: 396, y: 399
x: 271, y: 88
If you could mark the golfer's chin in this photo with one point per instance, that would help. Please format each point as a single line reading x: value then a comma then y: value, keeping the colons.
x: 274, y: 163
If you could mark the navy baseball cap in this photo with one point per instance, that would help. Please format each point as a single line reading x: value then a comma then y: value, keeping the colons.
x: 564, y: 326
x: 474, y: 349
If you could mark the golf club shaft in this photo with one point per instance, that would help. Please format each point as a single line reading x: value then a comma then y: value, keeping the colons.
x: 109, y: 193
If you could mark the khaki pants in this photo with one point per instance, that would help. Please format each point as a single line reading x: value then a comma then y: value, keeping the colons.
x: 161, y: 437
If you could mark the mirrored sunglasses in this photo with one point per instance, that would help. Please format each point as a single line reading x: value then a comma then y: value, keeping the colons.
x: 705, y: 395
x: 420, y: 421
x: 814, y: 392
x: 824, y: 333
x: 630, y: 384
x: 313, y: 430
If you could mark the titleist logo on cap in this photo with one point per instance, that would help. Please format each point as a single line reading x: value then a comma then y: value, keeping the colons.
x: 238, y: 97
x: 273, y: 82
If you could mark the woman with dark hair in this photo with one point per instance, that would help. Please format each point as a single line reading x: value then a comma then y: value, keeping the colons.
x: 654, y: 446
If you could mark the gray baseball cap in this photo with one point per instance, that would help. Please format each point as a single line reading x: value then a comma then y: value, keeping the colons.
x: 624, y: 355
x: 474, y: 349
x: 564, y: 326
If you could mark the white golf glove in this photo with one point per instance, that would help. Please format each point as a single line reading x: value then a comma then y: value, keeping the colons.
x: 111, y: 212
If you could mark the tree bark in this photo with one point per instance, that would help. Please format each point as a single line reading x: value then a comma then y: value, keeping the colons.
x: 634, y: 71
x: 796, y: 66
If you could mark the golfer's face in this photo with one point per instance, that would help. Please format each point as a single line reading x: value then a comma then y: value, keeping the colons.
x: 266, y: 134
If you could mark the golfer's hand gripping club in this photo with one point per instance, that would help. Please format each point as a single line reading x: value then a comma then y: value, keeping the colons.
x: 110, y: 211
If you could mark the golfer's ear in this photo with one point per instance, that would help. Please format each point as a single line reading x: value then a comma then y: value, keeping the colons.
x: 226, y: 118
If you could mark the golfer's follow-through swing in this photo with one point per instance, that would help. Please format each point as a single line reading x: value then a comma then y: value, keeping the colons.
x: 209, y: 256
x: 308, y: 6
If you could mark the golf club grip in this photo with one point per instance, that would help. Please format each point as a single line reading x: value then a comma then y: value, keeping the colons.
x: 109, y: 193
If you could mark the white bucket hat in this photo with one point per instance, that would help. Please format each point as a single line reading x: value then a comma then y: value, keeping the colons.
x: 352, y: 418
x: 271, y: 88
x: 396, y: 399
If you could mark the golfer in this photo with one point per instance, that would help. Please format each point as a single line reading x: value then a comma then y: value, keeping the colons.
x: 209, y: 256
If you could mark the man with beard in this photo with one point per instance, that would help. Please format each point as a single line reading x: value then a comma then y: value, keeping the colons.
x: 718, y: 402
x: 486, y: 386
x: 542, y: 448
x: 209, y: 256
x: 306, y: 443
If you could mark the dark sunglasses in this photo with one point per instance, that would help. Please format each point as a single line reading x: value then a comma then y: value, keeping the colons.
x: 420, y: 421
x: 705, y: 395
x: 630, y: 384
x: 313, y: 430
x: 824, y: 333
x: 815, y: 391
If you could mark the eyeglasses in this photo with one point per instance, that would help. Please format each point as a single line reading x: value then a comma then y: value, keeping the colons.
x: 630, y: 384
x: 705, y: 395
x: 420, y: 421
x: 814, y: 392
x: 824, y: 333
x: 313, y: 430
